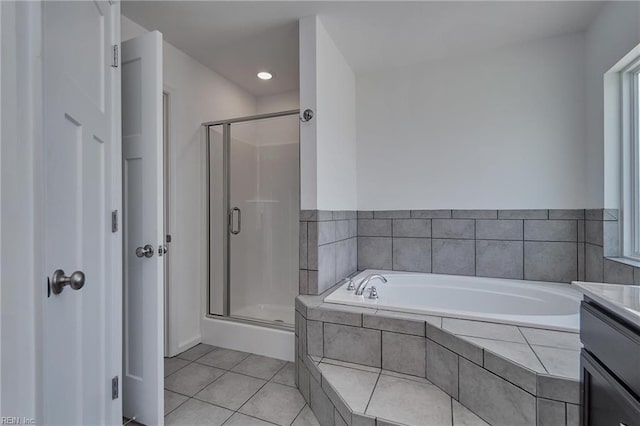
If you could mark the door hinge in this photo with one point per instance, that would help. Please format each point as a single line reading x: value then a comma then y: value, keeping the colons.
x: 114, y: 388
x: 114, y: 221
x: 114, y: 64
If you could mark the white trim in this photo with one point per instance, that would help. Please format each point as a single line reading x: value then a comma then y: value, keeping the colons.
x: 629, y: 92
x: 172, y: 345
x: 117, y: 242
x: 0, y: 208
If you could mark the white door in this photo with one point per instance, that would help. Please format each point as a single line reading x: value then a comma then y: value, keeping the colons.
x: 81, y: 324
x: 142, y: 127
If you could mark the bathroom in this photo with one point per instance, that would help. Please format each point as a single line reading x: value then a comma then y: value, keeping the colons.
x: 367, y: 213
x: 422, y: 164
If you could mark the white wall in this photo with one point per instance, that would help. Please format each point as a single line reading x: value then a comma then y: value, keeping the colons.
x: 336, y: 127
x: 308, y: 86
x: 279, y: 102
x: 614, y: 32
x: 328, y: 142
x: 500, y: 130
x: 196, y: 95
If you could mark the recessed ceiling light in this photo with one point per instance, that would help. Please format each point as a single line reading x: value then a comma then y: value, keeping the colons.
x: 263, y: 75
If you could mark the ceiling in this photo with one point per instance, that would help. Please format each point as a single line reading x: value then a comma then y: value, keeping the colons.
x: 237, y: 38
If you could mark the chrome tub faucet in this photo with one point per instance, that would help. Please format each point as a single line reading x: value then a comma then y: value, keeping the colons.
x: 366, y: 280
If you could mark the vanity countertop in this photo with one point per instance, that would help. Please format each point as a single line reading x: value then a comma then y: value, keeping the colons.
x: 623, y: 300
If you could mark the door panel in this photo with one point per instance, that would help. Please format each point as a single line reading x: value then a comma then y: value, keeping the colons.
x: 79, y: 141
x: 142, y: 129
x: 83, y: 30
x: 264, y: 187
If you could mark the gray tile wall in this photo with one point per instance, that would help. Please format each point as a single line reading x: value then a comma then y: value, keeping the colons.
x: 328, y: 248
x: 544, y: 245
x: 540, y: 245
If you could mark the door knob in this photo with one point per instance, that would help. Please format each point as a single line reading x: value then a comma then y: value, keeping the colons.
x: 59, y: 280
x: 146, y: 251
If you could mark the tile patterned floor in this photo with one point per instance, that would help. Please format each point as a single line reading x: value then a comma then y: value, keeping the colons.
x: 213, y: 386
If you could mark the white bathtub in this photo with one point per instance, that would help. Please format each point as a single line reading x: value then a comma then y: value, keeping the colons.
x: 553, y: 306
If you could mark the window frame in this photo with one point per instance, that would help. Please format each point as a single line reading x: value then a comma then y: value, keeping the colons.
x: 630, y: 132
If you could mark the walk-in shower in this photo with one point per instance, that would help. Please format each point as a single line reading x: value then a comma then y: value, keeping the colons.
x: 253, y: 202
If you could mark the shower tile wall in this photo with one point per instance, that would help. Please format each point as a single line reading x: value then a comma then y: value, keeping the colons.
x: 328, y: 248
x: 539, y: 245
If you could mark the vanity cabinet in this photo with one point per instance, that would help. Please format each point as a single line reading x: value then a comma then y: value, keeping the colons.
x: 610, y: 364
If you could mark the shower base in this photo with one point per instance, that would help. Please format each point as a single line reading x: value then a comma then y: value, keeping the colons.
x: 278, y: 314
x: 241, y: 336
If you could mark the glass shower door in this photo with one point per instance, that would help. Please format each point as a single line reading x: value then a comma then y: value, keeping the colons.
x: 264, y: 202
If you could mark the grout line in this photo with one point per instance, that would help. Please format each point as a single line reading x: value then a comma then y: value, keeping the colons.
x: 299, y: 412
x: 392, y: 260
x: 286, y: 363
x: 534, y: 352
x: 372, y: 392
x: 431, y: 248
x: 458, y: 365
x: 451, y: 402
x: 179, y: 405
x: 254, y: 417
x: 381, y: 345
x: 251, y: 397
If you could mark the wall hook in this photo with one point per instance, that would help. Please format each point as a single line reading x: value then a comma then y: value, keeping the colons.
x: 306, y: 115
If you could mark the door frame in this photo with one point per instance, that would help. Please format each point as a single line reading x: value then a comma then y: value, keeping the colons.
x: 22, y: 379
x: 226, y: 127
x: 117, y: 250
x: 167, y: 128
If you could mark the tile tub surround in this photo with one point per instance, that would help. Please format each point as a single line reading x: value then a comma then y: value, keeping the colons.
x: 328, y: 248
x: 503, y: 374
x: 537, y: 245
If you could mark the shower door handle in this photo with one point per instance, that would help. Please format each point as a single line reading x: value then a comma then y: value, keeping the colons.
x: 231, y: 215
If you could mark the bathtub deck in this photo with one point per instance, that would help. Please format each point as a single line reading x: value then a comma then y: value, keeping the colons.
x: 501, y: 373
x: 364, y: 393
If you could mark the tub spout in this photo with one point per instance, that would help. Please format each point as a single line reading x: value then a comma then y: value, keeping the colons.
x: 366, y: 280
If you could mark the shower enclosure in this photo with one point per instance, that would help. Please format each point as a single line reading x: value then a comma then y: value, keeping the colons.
x: 253, y: 201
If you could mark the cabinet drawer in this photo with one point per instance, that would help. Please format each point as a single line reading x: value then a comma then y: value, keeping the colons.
x: 605, y: 401
x: 613, y: 344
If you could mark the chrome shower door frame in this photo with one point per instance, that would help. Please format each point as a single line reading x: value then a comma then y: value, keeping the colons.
x: 226, y: 148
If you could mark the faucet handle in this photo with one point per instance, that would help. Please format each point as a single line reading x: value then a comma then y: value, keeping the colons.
x: 349, y: 283
x: 350, y: 286
x: 373, y: 293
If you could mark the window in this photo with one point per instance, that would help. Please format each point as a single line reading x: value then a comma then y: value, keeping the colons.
x: 629, y: 131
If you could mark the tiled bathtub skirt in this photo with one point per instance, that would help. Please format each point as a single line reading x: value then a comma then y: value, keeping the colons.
x: 540, y: 245
x: 493, y: 387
